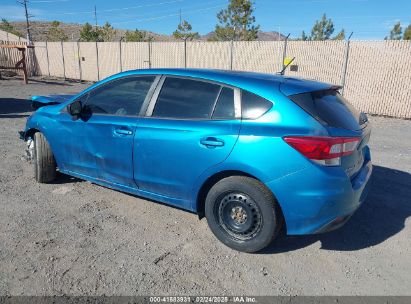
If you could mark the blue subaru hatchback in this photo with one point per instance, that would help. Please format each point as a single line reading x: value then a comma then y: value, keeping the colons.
x: 253, y: 153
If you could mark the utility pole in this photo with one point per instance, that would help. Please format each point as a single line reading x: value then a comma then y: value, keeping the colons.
x: 180, y: 16
x: 279, y: 33
x: 24, y: 3
x: 95, y: 15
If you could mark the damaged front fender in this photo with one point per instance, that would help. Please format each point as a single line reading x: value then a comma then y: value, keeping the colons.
x: 41, y: 101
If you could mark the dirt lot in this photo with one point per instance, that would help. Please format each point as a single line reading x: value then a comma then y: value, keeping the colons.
x: 73, y: 237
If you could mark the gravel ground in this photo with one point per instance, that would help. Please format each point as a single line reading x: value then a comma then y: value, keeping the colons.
x: 74, y: 238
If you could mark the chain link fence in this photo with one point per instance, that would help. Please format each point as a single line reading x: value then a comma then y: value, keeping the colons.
x: 375, y: 75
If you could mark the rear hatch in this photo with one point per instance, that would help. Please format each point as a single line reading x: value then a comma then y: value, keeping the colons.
x: 340, y: 119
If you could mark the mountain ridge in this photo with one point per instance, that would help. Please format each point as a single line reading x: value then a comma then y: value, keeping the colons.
x: 39, y: 31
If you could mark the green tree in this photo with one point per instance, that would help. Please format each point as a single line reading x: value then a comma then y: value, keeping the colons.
x: 304, y: 37
x: 137, y: 36
x: 89, y: 33
x: 340, y: 35
x: 322, y: 29
x: 236, y: 22
x: 55, y: 33
x: 7, y: 27
x: 407, y: 33
x: 107, y: 32
x: 184, y: 32
x: 395, y: 33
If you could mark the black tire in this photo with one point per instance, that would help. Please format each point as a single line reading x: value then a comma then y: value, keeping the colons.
x: 43, y: 160
x: 242, y: 213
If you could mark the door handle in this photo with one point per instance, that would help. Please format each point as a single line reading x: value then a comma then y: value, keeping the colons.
x: 212, y: 142
x: 123, y: 132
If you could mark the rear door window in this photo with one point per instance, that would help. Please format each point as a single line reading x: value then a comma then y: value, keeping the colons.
x: 253, y: 106
x: 329, y: 107
x: 186, y: 99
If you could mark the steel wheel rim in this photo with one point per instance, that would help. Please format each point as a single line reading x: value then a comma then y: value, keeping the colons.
x: 238, y: 215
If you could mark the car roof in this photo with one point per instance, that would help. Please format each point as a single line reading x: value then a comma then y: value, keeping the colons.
x: 266, y: 85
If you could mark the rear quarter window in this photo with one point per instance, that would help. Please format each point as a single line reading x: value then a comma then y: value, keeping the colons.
x: 253, y: 106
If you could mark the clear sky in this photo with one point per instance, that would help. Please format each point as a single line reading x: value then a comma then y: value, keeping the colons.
x: 368, y: 19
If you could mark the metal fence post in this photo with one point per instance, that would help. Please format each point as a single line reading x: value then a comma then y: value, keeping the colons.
x: 98, y: 66
x: 79, y: 59
x: 120, y: 54
x: 231, y: 53
x: 62, y: 56
x: 149, y: 54
x: 285, y: 50
x: 48, y: 61
x: 345, y: 66
x: 185, y: 53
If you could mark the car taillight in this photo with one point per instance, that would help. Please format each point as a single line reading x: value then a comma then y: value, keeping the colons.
x: 323, y: 150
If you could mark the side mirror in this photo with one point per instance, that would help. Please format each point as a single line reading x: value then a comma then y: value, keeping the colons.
x: 75, y: 109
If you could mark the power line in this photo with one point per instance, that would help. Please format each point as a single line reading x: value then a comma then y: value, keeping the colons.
x: 101, y: 12
x: 116, y: 9
x: 129, y: 15
x: 169, y: 15
x: 112, y: 10
x: 141, y: 6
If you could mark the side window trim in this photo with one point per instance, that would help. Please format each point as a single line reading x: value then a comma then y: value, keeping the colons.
x: 154, y: 97
x: 237, y: 103
x: 215, y: 102
x: 149, y: 95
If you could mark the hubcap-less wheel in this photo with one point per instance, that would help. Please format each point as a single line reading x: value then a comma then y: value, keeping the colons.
x: 242, y: 213
x: 238, y: 215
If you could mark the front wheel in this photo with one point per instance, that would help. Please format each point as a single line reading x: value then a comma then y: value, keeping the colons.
x: 43, y: 160
x: 242, y: 213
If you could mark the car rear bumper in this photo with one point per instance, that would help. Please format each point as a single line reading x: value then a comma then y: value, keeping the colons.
x: 317, y: 200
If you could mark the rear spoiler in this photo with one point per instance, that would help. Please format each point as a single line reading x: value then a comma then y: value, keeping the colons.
x: 292, y: 86
x: 41, y: 101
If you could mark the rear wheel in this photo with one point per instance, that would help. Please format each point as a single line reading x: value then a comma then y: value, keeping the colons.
x: 242, y: 213
x: 43, y: 160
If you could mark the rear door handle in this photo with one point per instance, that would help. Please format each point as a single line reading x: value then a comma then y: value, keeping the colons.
x: 211, y: 142
x: 123, y: 132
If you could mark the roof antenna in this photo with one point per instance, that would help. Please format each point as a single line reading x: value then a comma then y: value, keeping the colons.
x: 286, y: 66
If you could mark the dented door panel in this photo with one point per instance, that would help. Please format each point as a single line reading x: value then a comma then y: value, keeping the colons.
x: 100, y: 147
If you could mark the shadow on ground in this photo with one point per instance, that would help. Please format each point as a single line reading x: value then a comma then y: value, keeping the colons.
x: 382, y: 216
x: 14, y: 108
x: 49, y: 81
x: 65, y: 179
x: 54, y: 82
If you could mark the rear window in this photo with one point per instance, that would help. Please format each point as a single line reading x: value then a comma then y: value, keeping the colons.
x: 329, y: 107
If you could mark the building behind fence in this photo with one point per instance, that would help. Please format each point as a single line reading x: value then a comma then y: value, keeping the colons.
x: 376, y: 74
